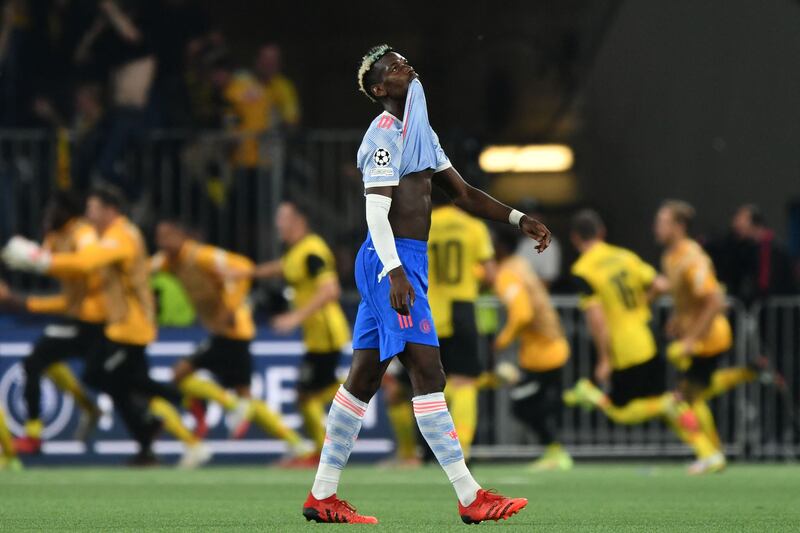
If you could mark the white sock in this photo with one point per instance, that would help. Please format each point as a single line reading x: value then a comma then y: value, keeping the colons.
x: 436, y: 425
x: 344, y: 423
x: 464, y: 484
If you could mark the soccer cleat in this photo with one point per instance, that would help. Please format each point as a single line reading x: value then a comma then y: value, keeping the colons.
x: 28, y: 445
x: 400, y: 463
x: 196, y: 455
x: 300, y: 462
x: 333, y: 510
x: 766, y: 374
x: 198, y: 410
x: 708, y: 465
x: 508, y: 373
x: 239, y: 419
x: 584, y: 394
x: 555, y: 458
x: 12, y: 464
x: 87, y: 424
x: 489, y: 505
x: 143, y: 459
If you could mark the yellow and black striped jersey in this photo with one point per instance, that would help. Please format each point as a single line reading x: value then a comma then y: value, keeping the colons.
x: 618, y: 280
x: 458, y: 244
x: 306, y: 265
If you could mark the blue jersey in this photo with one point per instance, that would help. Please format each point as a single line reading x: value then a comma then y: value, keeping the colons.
x: 393, y: 148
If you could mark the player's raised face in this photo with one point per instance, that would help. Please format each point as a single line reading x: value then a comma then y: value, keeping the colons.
x: 395, y: 74
x: 665, y: 226
x: 169, y: 237
x: 287, y: 220
x: 96, y: 212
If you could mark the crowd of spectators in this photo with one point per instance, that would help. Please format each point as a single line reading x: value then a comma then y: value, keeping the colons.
x: 108, y: 71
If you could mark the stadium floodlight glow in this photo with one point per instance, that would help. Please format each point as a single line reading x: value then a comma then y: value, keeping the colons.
x: 526, y: 158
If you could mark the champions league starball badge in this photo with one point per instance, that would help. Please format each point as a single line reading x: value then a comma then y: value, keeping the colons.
x: 382, y: 157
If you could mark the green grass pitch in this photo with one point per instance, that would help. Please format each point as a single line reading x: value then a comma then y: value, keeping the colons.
x: 613, y: 498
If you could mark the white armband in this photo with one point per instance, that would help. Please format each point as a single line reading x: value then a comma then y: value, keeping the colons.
x: 381, y: 232
x: 514, y: 217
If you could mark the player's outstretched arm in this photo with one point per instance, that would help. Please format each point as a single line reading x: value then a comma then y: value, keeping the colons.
x: 480, y: 204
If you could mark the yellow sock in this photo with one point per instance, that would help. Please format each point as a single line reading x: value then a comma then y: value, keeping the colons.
x: 171, y: 419
x: 65, y: 380
x: 638, y: 410
x: 312, y: 409
x: 401, y: 416
x: 313, y: 414
x: 195, y: 387
x: 462, y: 401
x: 726, y: 379
x: 697, y: 440
x: 6, y: 442
x: 34, y: 428
x: 706, y: 420
x: 271, y: 422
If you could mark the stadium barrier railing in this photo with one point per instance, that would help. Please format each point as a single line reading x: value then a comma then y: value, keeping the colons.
x: 755, y: 421
x: 191, y: 176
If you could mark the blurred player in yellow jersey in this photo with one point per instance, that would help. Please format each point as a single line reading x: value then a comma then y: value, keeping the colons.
x: 8, y: 454
x: 543, y: 349
x: 222, y: 307
x: 698, y: 321
x: 460, y: 257
x: 120, y: 366
x: 75, y: 336
x: 613, y: 284
x: 309, y: 268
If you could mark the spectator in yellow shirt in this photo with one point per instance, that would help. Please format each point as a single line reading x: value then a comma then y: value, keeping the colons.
x: 284, y: 107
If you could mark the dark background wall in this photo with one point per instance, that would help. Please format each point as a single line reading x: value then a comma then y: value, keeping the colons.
x: 696, y: 100
x: 683, y: 98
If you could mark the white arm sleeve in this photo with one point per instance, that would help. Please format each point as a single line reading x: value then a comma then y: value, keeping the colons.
x: 381, y: 232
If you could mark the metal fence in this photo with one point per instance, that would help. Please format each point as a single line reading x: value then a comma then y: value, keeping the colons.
x: 190, y: 176
x: 755, y: 421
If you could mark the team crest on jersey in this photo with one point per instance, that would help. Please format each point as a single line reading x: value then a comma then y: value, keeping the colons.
x: 382, y: 157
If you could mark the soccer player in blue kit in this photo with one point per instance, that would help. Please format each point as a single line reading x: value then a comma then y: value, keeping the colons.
x: 401, y: 159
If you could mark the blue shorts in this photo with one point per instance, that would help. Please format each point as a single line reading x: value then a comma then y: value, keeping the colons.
x: 378, y: 326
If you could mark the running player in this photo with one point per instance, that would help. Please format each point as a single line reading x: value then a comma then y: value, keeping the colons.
x: 460, y: 256
x: 77, y: 335
x: 119, y: 367
x: 8, y: 454
x: 613, y: 284
x: 400, y: 158
x: 308, y: 266
x: 531, y: 319
x: 698, y: 323
x: 223, y: 310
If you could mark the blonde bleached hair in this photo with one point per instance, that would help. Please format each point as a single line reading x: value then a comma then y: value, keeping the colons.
x: 369, y: 59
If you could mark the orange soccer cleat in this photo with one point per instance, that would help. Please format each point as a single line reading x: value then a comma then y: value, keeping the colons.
x: 28, y: 445
x: 333, y: 510
x: 489, y: 505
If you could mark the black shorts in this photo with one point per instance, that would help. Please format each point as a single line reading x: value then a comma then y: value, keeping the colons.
x: 460, y: 352
x: 114, y: 366
x: 228, y: 359
x: 700, y: 371
x: 318, y: 371
x: 639, y: 381
x: 67, y: 340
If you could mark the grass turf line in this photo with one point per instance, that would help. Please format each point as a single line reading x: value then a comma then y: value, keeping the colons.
x: 616, y: 498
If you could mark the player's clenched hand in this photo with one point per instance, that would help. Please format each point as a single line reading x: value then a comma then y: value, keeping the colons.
x: 401, y: 293
x: 536, y: 231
